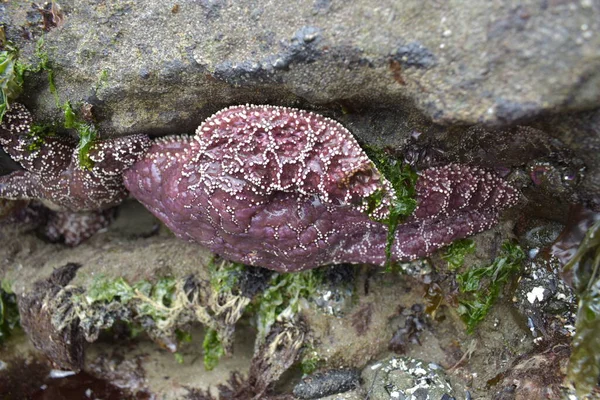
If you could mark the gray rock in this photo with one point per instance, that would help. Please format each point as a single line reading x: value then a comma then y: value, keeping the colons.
x: 539, y: 233
x: 580, y: 132
x: 405, y: 378
x: 162, y: 66
x: 353, y: 395
x: 327, y: 383
x: 545, y: 300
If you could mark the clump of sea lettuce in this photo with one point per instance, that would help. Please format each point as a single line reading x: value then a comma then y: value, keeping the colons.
x: 480, y: 286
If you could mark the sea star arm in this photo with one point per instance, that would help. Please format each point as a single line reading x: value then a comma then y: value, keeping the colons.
x: 19, y: 185
x: 75, y: 227
x: 15, y: 124
x: 283, y: 149
x: 113, y: 156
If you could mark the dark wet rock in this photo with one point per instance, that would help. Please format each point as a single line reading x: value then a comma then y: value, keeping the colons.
x: 580, y: 132
x: 535, y: 376
x: 494, y: 62
x: 327, y: 383
x: 414, y: 321
x: 7, y: 165
x: 64, y: 347
x: 20, y: 377
x: 536, y: 233
x: 123, y: 373
x: 31, y: 378
x: 253, y: 281
x: 334, y: 295
x: 414, y: 55
x: 278, y: 352
x: 545, y: 300
x: 405, y: 378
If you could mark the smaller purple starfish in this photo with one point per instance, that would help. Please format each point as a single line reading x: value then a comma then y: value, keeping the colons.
x: 80, y: 198
x: 285, y: 189
x: 52, y: 171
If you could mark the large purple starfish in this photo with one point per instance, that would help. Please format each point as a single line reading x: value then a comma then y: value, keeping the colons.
x: 284, y: 189
x: 52, y: 173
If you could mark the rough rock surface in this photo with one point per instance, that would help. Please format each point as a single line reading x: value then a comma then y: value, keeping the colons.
x: 157, y: 64
x: 406, y: 378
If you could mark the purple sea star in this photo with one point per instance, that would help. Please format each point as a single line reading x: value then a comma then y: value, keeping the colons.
x: 284, y: 189
x: 68, y: 227
x: 52, y: 171
x: 52, y: 174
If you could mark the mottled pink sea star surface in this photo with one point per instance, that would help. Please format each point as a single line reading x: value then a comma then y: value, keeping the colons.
x: 285, y: 189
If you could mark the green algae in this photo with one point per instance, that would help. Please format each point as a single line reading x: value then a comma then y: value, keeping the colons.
x: 87, y: 135
x: 282, y: 299
x: 455, y: 253
x: 224, y: 277
x: 213, y: 349
x: 403, y: 180
x: 11, y: 77
x: 480, y: 286
x: 12, y: 73
x: 311, y: 360
x: 44, y: 65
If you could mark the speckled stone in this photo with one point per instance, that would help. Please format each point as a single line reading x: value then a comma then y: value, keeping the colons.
x: 406, y: 378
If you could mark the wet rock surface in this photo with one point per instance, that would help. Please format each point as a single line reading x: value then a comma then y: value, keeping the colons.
x: 406, y: 378
x: 328, y: 383
x: 512, y: 88
x: 158, y: 66
x: 374, y: 313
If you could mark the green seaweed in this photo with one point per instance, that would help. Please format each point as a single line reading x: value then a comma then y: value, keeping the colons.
x: 480, y: 287
x: 44, y: 65
x: 11, y: 85
x: 153, y: 300
x: 11, y: 78
x: 311, y: 360
x: 403, y: 180
x: 213, y: 349
x: 224, y: 277
x: 455, y: 253
x: 105, y: 290
x: 159, y: 307
x: 182, y: 337
x: 37, y: 135
x: 87, y: 136
x: 12, y: 73
x: 156, y: 299
x: 9, y: 312
x: 282, y: 298
x: 584, y: 365
x: 102, y: 79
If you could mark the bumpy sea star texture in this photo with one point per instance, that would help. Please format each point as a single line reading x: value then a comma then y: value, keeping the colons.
x: 52, y: 172
x: 68, y: 227
x: 284, y: 189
